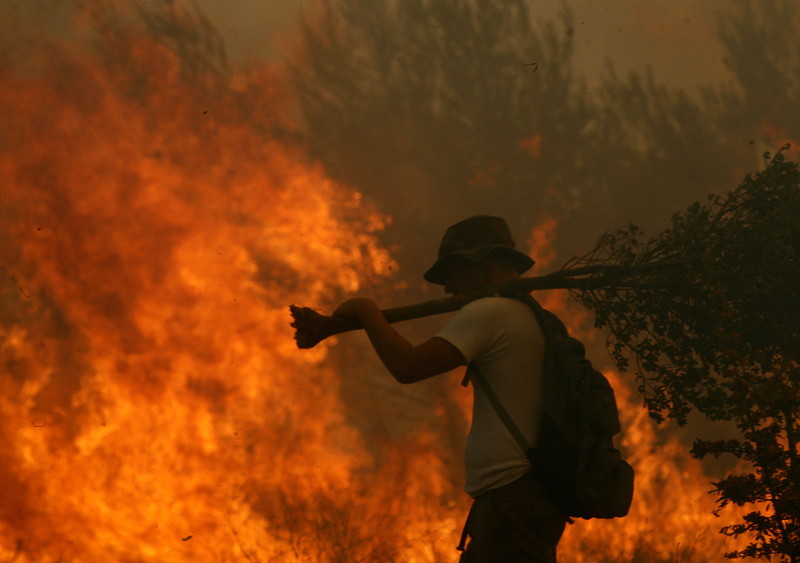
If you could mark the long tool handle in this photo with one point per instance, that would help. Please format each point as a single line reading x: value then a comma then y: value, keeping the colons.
x: 311, y: 327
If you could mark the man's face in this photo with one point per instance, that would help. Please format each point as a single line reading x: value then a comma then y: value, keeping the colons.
x: 464, y: 276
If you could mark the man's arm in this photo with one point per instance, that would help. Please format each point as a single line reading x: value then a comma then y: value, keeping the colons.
x: 407, y: 363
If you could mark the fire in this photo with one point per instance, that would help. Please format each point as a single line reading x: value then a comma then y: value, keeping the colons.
x: 540, y: 244
x: 153, y: 406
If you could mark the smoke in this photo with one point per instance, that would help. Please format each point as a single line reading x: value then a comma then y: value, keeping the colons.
x: 597, y: 116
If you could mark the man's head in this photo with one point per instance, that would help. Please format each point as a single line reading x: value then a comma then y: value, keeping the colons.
x: 477, y: 252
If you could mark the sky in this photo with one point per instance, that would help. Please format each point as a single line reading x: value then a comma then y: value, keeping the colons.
x: 675, y: 37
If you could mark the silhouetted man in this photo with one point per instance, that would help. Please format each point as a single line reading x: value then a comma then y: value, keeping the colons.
x: 511, y: 519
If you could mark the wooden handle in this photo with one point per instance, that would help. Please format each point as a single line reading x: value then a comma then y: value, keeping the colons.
x: 312, y: 328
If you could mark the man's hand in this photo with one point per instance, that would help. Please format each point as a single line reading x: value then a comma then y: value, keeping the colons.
x: 352, y: 308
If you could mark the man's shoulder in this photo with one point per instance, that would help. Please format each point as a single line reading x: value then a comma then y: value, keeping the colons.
x: 496, y: 304
x: 506, y: 313
x: 480, y: 314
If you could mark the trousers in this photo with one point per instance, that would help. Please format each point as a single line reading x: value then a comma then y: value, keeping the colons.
x: 515, y: 523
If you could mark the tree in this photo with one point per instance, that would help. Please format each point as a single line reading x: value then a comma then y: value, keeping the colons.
x: 717, y: 332
x: 764, y: 57
x: 432, y: 108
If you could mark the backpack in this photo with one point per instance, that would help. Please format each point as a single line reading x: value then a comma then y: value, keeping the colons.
x: 575, y: 458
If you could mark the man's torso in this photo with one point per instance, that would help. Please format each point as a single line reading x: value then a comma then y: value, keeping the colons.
x: 502, y: 338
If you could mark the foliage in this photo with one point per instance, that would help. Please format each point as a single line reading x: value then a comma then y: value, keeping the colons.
x: 716, y: 330
x: 763, y: 54
x: 433, y: 107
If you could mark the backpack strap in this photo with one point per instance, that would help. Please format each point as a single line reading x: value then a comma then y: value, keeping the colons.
x: 474, y: 374
x: 477, y: 377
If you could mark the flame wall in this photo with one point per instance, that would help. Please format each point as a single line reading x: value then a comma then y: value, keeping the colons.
x: 153, y: 404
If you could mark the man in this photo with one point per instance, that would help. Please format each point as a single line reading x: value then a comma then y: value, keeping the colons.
x: 511, y: 520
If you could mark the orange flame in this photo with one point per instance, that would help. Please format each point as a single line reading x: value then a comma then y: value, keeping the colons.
x: 154, y: 406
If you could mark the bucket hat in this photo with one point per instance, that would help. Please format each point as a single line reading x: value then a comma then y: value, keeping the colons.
x: 475, y: 238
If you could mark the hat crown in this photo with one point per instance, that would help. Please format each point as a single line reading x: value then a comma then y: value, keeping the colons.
x: 474, y: 239
x: 476, y: 232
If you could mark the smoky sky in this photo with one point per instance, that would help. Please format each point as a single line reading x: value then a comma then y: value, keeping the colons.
x: 676, y: 37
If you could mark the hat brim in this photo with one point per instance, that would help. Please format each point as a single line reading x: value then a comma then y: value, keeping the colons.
x: 437, y: 273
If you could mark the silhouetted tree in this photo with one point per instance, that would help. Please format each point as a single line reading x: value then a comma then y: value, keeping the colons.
x: 658, y: 146
x: 717, y: 332
x: 763, y: 54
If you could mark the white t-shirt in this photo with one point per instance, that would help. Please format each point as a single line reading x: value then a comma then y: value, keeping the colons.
x: 504, y: 339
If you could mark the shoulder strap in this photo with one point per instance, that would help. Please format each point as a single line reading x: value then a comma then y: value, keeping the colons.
x: 474, y: 374
x: 477, y: 377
